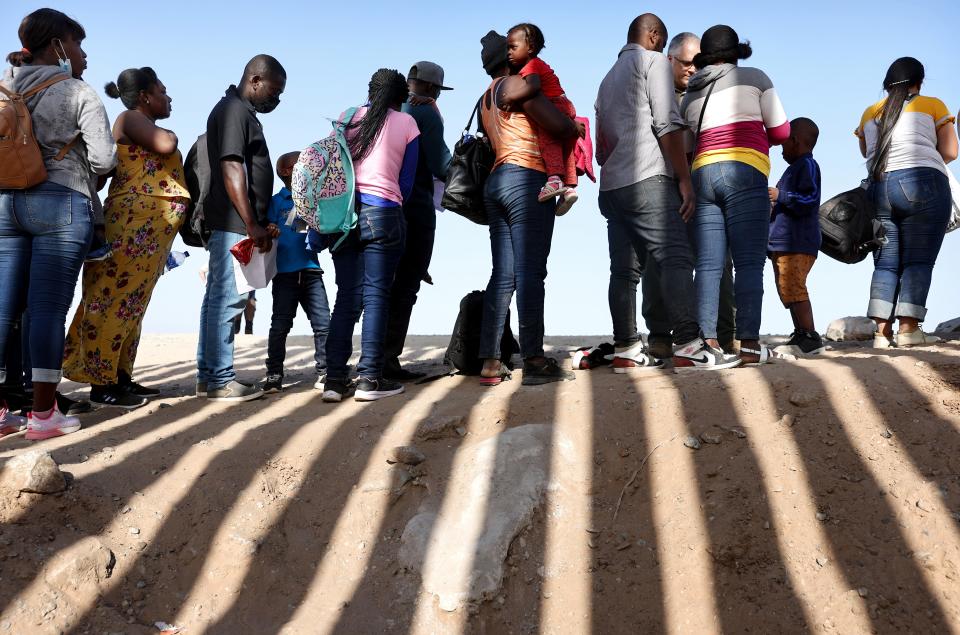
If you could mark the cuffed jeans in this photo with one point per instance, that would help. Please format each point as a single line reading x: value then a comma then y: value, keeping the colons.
x: 914, y: 207
x: 366, y: 264
x: 222, y: 303
x: 733, y: 215
x: 304, y: 288
x: 414, y: 265
x: 643, y: 220
x: 521, y: 230
x: 654, y: 308
x: 45, y: 234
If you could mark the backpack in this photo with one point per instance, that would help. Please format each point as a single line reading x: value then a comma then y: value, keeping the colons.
x: 196, y: 172
x: 21, y: 162
x: 463, y: 353
x: 849, y: 227
x: 323, y: 184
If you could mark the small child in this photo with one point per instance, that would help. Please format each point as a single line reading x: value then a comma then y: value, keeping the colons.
x: 795, y: 231
x: 524, y: 43
x: 299, y: 280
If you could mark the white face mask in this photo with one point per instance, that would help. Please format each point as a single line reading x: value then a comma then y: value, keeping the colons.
x: 65, y: 65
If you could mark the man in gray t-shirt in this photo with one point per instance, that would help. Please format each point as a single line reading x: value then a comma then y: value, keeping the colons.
x: 646, y: 196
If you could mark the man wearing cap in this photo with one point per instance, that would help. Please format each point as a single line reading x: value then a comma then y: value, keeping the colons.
x: 425, y: 80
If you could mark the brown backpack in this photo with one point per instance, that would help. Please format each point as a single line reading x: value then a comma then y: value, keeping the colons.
x: 21, y: 164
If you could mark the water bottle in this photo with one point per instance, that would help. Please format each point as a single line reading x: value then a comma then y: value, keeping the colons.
x: 176, y: 258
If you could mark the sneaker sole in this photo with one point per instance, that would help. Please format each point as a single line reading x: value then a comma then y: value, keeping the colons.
x: 49, y: 434
x: 374, y: 395
x: 626, y: 370
x: 271, y: 391
x: 540, y: 381
x: 239, y: 399
x: 117, y: 405
x: 694, y: 368
x: 566, y: 204
x: 332, y: 396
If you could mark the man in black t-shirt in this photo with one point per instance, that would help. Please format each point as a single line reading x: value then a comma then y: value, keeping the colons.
x: 241, y: 183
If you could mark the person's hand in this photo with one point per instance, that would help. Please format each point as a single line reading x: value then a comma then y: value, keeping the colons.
x: 428, y: 278
x: 774, y: 194
x: 689, y: 204
x: 273, y: 230
x: 581, y: 129
x: 420, y: 100
x: 260, y: 237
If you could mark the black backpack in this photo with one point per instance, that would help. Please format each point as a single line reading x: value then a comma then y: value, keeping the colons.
x: 849, y: 228
x: 196, y: 172
x: 463, y: 353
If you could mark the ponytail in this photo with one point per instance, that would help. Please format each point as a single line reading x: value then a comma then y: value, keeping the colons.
x: 387, y: 89
x: 39, y: 29
x: 130, y: 84
x: 901, y: 76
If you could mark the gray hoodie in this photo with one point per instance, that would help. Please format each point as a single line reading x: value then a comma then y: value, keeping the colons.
x: 60, y: 113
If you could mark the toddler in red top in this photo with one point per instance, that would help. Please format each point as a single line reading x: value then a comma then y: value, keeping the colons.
x: 524, y: 43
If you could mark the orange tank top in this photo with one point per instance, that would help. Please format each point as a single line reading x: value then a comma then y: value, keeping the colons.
x: 513, y: 138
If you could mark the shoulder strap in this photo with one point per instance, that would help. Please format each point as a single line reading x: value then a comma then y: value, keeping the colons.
x: 44, y: 85
x: 703, y: 110
x: 347, y: 117
x: 67, y: 148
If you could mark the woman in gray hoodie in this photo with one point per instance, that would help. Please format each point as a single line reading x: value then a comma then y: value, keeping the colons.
x: 45, y: 231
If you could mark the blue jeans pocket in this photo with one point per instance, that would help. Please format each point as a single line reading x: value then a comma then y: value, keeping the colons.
x: 384, y: 225
x: 740, y: 176
x: 919, y: 190
x: 49, y: 210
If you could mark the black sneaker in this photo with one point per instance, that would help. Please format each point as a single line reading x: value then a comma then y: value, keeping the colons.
x: 373, y: 389
x: 126, y: 382
x: 402, y: 374
x: 545, y: 373
x: 71, y: 407
x: 273, y: 384
x: 234, y: 392
x: 809, y: 342
x: 116, y: 396
x: 336, y: 390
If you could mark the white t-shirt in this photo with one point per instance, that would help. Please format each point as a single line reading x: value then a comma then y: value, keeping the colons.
x: 914, y: 141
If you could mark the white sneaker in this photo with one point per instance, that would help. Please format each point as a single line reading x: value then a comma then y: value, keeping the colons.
x: 698, y: 355
x: 9, y: 422
x: 916, y: 338
x: 635, y: 358
x: 56, y: 425
x: 318, y: 385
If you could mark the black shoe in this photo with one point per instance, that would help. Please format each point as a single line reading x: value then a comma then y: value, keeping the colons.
x: 374, y: 389
x: 116, y: 396
x: 402, y: 374
x: 809, y: 342
x: 273, y: 384
x: 336, y: 390
x: 545, y: 373
x: 70, y: 406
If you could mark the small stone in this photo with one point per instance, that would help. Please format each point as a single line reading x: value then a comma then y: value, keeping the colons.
x: 787, y: 420
x: 141, y: 584
x: 125, y: 510
x: 803, y: 398
x: 740, y: 434
x: 710, y: 437
x: 134, y: 530
x: 624, y: 546
x: 863, y: 592
x: 766, y: 525
x: 692, y: 442
x: 924, y: 505
x: 822, y: 561
x: 84, y: 458
x: 35, y: 472
x: 886, y: 434
x: 439, y: 427
x: 821, y: 516
x: 624, y: 452
x: 406, y: 454
x: 166, y: 405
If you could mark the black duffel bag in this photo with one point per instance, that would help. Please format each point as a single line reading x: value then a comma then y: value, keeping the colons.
x: 849, y: 227
x: 469, y: 168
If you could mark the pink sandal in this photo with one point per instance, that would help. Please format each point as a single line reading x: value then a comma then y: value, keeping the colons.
x: 553, y: 188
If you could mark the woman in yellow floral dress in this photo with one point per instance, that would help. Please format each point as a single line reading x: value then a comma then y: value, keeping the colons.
x: 144, y: 209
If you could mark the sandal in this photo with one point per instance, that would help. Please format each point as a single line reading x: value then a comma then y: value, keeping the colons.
x: 503, y: 374
x: 553, y: 188
x: 766, y: 355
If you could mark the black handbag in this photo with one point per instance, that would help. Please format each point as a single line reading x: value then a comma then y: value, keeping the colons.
x: 849, y: 228
x: 470, y: 166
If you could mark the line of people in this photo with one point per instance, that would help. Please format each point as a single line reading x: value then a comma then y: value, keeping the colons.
x: 682, y: 139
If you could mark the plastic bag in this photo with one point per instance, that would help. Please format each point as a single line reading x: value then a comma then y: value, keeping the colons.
x: 954, y: 221
x: 256, y: 269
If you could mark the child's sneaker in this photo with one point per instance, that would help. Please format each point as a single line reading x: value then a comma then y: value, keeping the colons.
x: 55, y: 425
x: 272, y: 384
x: 9, y: 422
x: 635, y: 358
x: 553, y: 188
x: 569, y: 198
x: 698, y: 355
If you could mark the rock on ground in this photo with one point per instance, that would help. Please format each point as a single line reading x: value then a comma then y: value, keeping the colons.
x: 87, y: 564
x: 950, y: 326
x: 35, y: 472
x: 851, y: 328
x: 495, y: 489
x: 439, y: 427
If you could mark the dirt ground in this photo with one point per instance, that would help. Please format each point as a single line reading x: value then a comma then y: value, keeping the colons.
x: 824, y: 497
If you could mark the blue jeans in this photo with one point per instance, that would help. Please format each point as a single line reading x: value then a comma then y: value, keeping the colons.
x: 914, y: 207
x: 644, y: 224
x: 45, y: 233
x: 521, y: 230
x: 366, y: 264
x: 733, y: 215
x: 221, y: 304
x: 304, y: 288
x: 413, y: 266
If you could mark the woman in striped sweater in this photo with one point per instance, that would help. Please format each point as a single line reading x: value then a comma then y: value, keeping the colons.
x: 735, y: 114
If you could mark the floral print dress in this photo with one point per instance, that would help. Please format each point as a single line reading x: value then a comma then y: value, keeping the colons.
x: 144, y: 209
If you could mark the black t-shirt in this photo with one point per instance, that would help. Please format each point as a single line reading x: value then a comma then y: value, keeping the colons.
x: 234, y: 131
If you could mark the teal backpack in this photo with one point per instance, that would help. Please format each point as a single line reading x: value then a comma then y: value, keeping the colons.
x: 323, y: 184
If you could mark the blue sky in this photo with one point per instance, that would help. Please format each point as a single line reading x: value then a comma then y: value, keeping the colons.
x: 827, y: 60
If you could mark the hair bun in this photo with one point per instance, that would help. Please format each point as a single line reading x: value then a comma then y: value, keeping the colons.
x: 744, y: 50
x: 112, y: 90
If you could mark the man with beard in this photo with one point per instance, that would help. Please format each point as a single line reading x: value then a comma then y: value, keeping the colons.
x: 241, y: 184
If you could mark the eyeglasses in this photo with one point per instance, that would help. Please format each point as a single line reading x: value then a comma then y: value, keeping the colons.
x: 683, y: 63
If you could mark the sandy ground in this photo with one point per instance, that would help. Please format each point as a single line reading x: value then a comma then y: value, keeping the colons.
x: 253, y: 518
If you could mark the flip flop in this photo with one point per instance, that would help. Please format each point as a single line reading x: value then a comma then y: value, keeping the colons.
x: 503, y: 375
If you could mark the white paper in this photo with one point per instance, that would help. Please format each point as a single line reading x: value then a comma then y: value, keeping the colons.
x: 438, y: 188
x: 258, y: 273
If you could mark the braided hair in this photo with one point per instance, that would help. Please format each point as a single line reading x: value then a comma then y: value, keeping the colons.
x: 903, y: 74
x: 387, y: 90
